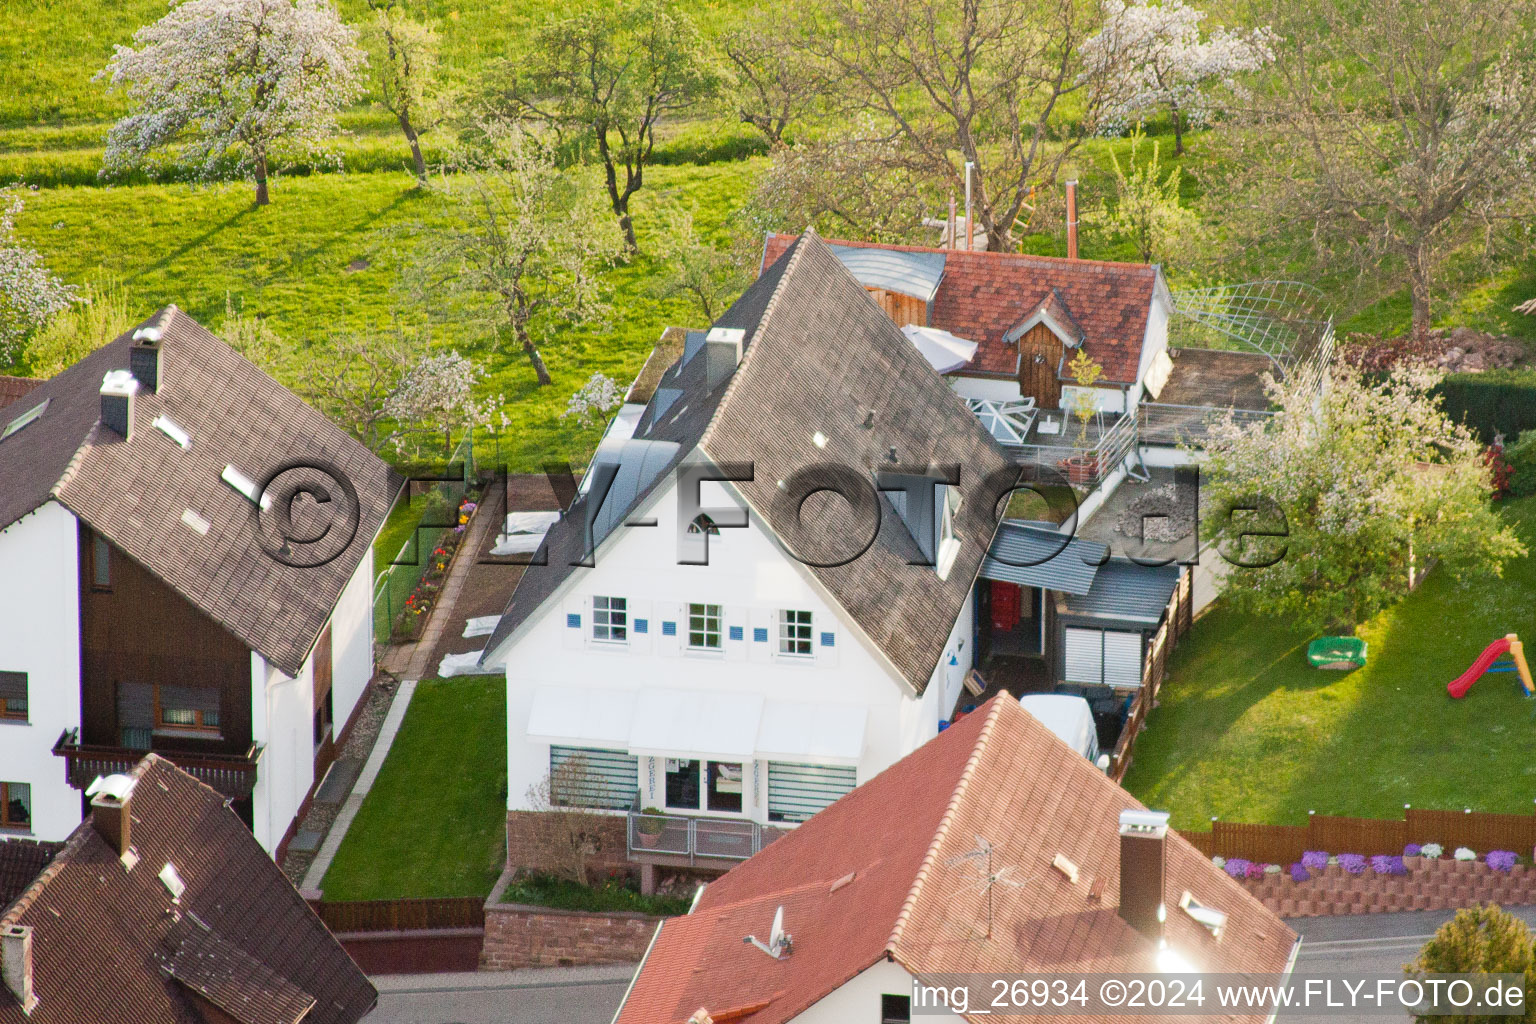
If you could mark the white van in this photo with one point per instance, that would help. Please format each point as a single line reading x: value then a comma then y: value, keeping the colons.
x: 1069, y: 718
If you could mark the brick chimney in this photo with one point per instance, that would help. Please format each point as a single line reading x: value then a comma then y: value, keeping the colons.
x: 1072, y: 219
x: 1143, y: 870
x: 144, y: 358
x: 117, y: 390
x: 111, y: 804
x: 16, y: 964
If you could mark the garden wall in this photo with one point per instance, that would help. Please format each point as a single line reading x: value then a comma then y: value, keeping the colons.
x: 518, y: 935
x: 533, y: 838
x: 1443, y: 884
x: 1284, y: 844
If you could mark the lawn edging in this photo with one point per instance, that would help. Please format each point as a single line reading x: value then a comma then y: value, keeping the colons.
x: 519, y: 935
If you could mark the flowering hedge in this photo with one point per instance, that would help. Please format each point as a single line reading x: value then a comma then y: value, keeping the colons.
x: 1354, y: 863
x: 1500, y: 860
x: 1314, y: 860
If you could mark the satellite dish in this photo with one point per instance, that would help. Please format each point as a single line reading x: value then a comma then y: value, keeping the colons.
x: 776, y: 936
x: 779, y: 944
x: 1102, y: 763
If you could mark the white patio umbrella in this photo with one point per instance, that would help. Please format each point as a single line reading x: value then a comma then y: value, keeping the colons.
x: 944, y: 351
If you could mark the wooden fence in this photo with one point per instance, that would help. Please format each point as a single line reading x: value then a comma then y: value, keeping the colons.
x: 1177, y: 619
x: 402, y: 915
x: 1284, y: 844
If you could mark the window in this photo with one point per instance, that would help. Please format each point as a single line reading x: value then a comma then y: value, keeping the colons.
x: 25, y: 418
x: 703, y: 524
x: 15, y: 805
x: 324, y: 720
x: 949, y: 541
x: 704, y: 627
x: 13, y: 696
x: 591, y: 777
x: 724, y: 787
x: 101, y: 563
x: 895, y: 1009
x: 797, y: 791
x: 610, y: 619
x: 682, y: 783
x: 795, y: 634
x: 187, y: 709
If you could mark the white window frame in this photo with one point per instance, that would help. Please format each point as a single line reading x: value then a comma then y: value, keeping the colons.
x: 607, y: 618
x: 787, y: 634
x: 718, y: 616
x: 949, y: 541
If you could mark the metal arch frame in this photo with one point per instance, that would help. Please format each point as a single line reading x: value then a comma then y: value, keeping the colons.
x: 1259, y: 315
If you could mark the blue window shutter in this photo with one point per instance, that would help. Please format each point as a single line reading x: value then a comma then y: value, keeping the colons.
x: 642, y: 625
x: 669, y: 629
x: 759, y: 636
x: 736, y: 633
x: 573, y: 621
x: 827, y: 639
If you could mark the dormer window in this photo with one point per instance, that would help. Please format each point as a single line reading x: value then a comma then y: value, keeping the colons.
x: 949, y: 541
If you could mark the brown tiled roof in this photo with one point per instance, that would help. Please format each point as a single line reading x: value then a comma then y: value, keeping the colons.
x: 12, y: 388
x: 20, y: 862
x: 871, y: 878
x: 110, y: 946
x: 983, y: 295
x: 136, y: 492
x: 819, y: 357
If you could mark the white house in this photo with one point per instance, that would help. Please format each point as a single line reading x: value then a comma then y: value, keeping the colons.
x: 820, y: 643
x: 188, y: 547
x: 995, y: 850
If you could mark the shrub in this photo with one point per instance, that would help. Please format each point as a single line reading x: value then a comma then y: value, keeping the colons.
x: 1255, y: 870
x: 1431, y: 850
x: 1500, y: 860
x: 1412, y: 850
x: 1314, y: 860
x: 1219, y: 861
x: 1521, y: 457
x: 1237, y: 867
x: 1480, y: 940
x: 1299, y: 873
x: 1382, y: 864
x: 1354, y: 863
x: 1464, y: 853
x: 1272, y: 869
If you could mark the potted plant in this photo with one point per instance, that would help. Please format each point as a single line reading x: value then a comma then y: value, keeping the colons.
x: 1084, y: 466
x: 649, y: 826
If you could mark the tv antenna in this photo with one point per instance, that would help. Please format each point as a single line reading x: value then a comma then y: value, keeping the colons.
x: 986, y: 876
x: 780, y: 943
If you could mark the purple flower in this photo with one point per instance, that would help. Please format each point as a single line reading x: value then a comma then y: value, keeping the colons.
x: 1354, y: 863
x: 1299, y: 873
x: 1237, y: 867
x: 1500, y: 860
x: 1412, y: 850
x: 1385, y: 865
x: 1255, y: 870
x: 1314, y: 860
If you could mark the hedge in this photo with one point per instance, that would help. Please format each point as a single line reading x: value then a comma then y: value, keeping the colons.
x: 1493, y: 401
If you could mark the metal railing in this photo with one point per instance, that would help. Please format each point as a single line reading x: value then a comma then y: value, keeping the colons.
x: 677, y: 835
x: 1082, y: 465
x: 1163, y: 423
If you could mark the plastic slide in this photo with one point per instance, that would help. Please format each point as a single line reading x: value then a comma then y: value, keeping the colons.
x: 1459, y: 686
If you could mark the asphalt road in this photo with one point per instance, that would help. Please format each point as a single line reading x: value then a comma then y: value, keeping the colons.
x: 564, y: 995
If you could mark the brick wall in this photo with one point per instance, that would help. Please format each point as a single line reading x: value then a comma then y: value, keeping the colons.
x: 529, y: 836
x: 522, y: 936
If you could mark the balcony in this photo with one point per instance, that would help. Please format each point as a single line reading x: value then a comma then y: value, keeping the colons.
x: 233, y: 775
x: 679, y: 841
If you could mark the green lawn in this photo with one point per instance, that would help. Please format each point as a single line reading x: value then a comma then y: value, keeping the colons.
x: 434, y: 824
x: 1247, y: 731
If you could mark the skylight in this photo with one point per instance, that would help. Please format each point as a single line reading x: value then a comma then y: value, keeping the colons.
x: 172, y: 882
x: 168, y: 427
x: 25, y: 418
x: 196, y: 522
x: 246, y: 486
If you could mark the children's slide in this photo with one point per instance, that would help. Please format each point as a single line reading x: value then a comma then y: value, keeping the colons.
x: 1459, y: 686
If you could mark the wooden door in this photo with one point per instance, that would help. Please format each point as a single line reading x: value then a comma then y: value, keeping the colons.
x: 1039, y: 355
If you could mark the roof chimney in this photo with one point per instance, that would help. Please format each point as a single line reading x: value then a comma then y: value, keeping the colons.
x: 111, y: 802
x: 144, y: 358
x: 722, y: 354
x: 16, y: 964
x: 1143, y: 870
x: 1072, y: 219
x: 117, y: 390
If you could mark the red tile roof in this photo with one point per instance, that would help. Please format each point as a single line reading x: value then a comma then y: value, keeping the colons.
x: 998, y: 773
x: 12, y: 388
x: 983, y: 295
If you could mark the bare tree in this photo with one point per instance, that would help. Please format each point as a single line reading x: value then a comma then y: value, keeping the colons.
x: 353, y: 378
x: 1388, y: 136
x: 404, y: 64
x: 773, y: 86
x: 691, y: 266
x: 527, y: 243
x: 980, y: 81
x: 611, y: 74
x: 563, y: 838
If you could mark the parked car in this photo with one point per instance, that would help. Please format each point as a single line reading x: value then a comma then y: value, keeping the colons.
x: 1071, y: 719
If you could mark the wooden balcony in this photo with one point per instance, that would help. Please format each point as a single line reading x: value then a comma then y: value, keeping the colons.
x: 233, y: 775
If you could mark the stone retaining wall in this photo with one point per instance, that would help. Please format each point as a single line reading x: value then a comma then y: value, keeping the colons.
x: 1429, y: 885
x: 519, y: 935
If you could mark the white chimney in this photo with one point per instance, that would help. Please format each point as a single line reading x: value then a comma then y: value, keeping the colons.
x: 117, y: 390
x: 16, y: 964
x: 722, y: 354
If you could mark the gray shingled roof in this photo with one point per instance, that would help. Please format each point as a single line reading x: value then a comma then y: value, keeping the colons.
x: 910, y: 273
x: 135, y: 492
x: 1036, y: 555
x: 820, y: 355
x: 1125, y: 590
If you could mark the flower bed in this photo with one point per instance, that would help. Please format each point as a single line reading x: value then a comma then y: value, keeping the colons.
x: 1423, y: 877
x: 424, y: 597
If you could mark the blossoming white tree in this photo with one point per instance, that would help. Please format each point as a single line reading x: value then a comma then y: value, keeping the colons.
x: 30, y: 294
x: 593, y: 401
x: 1369, y: 483
x: 1167, y: 65
x: 253, y: 77
x: 439, y: 392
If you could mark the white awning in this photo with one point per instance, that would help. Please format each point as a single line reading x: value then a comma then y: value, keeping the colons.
x: 944, y: 351
x: 668, y: 723
x: 811, y: 733
x: 590, y: 715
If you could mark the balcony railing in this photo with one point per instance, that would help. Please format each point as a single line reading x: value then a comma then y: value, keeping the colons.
x: 1083, y: 465
x: 1173, y: 425
x: 675, y: 835
x: 233, y: 775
